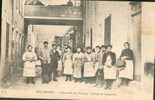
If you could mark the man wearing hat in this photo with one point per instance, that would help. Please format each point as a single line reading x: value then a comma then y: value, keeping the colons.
x: 54, y: 55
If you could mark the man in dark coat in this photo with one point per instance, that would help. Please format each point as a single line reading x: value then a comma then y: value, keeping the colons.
x: 54, y: 55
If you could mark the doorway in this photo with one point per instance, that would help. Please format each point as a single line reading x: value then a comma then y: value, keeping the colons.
x: 107, y: 32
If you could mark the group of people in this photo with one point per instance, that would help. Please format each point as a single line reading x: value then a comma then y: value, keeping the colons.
x: 99, y: 64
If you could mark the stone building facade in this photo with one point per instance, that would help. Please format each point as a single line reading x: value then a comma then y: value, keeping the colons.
x: 114, y: 23
x: 12, y: 36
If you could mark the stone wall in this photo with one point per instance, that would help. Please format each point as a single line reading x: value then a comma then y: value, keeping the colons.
x: 12, y: 16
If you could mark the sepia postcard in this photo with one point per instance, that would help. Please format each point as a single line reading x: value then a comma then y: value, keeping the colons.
x: 77, y: 49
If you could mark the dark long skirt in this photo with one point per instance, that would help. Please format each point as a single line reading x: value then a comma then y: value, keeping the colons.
x: 46, y: 73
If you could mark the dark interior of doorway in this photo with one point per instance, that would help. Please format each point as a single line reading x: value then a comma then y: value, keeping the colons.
x: 107, y: 33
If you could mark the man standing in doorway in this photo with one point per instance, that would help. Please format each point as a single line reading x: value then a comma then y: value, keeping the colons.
x: 54, y: 56
x: 45, y: 59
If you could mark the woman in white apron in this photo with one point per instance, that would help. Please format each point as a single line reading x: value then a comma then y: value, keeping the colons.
x: 126, y: 74
x: 29, y: 71
x: 89, y: 65
x: 68, y: 64
x: 109, y: 60
x: 78, y: 59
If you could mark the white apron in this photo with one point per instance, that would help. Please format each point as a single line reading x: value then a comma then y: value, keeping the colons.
x: 89, y: 70
x: 77, y: 69
x: 89, y: 67
x: 128, y: 71
x: 109, y: 70
x: 29, y: 67
x: 68, y: 67
x: 109, y: 73
x: 59, y: 65
x: 78, y: 64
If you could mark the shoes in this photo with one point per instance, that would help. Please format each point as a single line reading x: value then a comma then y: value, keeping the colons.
x: 105, y: 88
x: 55, y: 80
x: 66, y: 79
x: 45, y: 82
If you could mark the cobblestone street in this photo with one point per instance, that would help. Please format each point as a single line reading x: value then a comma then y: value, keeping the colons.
x: 69, y: 89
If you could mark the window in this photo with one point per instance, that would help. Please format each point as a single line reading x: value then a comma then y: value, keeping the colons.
x: 91, y: 37
x: 17, y: 4
x: 7, y: 41
x: 107, y: 32
x: 20, y: 6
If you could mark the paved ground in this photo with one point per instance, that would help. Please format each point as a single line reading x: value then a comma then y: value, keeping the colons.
x: 62, y: 89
